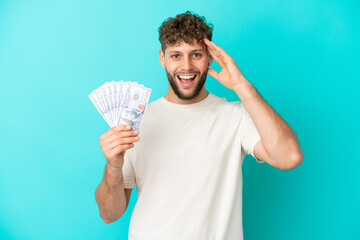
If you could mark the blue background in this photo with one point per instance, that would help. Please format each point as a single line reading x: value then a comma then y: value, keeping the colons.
x: 301, y: 55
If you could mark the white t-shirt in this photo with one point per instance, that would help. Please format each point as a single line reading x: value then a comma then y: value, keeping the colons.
x: 187, y: 169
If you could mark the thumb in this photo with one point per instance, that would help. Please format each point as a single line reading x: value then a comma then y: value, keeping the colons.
x: 213, y: 73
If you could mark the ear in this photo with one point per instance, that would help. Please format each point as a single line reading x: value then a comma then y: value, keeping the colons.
x: 162, y: 57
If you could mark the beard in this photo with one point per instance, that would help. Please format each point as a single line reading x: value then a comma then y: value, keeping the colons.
x: 194, y: 93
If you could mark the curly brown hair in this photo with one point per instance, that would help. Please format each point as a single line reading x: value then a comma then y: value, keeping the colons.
x: 184, y: 27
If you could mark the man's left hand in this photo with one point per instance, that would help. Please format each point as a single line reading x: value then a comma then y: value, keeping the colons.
x: 230, y: 74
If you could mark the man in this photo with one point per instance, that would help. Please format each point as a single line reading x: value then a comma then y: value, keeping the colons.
x: 187, y: 166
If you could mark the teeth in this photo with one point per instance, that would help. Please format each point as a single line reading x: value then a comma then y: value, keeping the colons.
x: 186, y: 76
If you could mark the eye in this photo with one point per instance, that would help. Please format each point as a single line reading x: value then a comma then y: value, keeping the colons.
x: 175, y: 56
x: 197, y: 55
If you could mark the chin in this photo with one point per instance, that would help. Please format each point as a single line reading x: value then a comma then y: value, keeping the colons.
x: 187, y: 89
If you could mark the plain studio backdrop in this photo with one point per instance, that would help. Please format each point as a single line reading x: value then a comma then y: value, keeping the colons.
x: 301, y: 55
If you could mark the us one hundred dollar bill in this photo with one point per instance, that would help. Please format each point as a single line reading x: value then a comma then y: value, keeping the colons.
x: 121, y: 102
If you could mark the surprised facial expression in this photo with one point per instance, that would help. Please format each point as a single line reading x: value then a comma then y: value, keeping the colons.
x: 186, y: 68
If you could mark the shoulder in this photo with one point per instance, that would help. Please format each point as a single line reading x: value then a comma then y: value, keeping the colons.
x: 152, y: 111
x: 153, y: 105
x: 223, y: 104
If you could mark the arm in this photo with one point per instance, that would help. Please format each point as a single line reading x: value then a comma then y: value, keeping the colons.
x: 279, y: 145
x: 110, y: 195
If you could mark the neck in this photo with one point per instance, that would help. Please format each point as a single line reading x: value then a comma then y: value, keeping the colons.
x: 172, y: 97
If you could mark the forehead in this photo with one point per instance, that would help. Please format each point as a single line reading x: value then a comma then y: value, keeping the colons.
x: 185, y: 47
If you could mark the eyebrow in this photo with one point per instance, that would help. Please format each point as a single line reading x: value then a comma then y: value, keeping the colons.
x: 195, y: 50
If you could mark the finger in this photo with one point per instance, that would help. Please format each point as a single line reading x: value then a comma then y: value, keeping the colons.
x: 121, y: 141
x: 213, y: 73
x: 218, y: 49
x: 122, y: 127
x: 120, y: 149
x: 217, y: 58
x: 219, y: 52
x: 207, y: 41
x: 119, y: 135
x: 212, y: 47
x: 214, y: 52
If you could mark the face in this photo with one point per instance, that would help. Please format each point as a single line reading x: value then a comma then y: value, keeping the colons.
x: 129, y: 115
x: 186, y: 68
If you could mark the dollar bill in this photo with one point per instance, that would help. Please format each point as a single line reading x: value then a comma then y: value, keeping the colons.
x: 121, y: 102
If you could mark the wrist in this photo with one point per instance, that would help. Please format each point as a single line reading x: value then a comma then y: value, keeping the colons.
x: 113, y: 175
x: 245, y: 91
x: 239, y: 83
x: 113, y: 167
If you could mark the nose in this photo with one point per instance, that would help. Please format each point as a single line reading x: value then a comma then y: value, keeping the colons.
x: 187, y: 64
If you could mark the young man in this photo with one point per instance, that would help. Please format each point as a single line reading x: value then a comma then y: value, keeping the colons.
x: 187, y: 166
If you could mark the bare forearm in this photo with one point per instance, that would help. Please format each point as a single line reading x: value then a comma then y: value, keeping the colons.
x: 278, y: 138
x: 110, y: 195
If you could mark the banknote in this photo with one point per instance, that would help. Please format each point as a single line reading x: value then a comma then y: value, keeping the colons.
x: 121, y: 102
x: 134, y: 105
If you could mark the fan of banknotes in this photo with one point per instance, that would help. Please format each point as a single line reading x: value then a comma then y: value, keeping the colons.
x: 121, y: 102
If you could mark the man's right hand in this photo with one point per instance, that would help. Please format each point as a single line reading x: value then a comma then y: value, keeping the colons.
x: 115, y: 142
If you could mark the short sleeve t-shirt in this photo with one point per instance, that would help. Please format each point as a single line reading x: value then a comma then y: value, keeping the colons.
x: 187, y: 169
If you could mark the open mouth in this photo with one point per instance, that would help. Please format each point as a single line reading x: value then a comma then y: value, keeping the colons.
x: 186, y: 80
